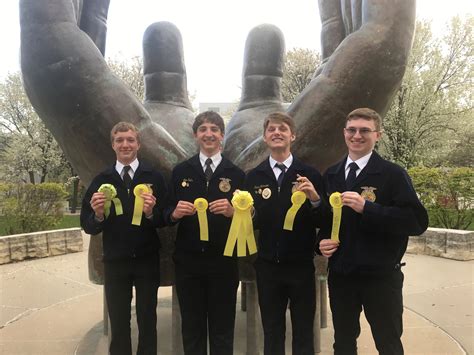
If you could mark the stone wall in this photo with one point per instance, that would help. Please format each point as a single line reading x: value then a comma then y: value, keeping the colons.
x: 446, y: 243
x: 19, y: 247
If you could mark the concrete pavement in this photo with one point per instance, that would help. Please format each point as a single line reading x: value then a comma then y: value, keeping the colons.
x: 48, y: 306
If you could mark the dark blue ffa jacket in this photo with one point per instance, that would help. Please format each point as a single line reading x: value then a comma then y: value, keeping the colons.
x: 121, y: 239
x: 376, y: 240
x: 274, y: 243
x: 188, y: 183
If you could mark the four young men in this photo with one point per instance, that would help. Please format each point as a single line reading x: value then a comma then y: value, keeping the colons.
x: 380, y: 210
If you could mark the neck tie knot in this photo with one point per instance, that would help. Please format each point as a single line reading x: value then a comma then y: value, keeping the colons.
x: 281, y: 166
x: 353, y: 166
x: 208, y: 170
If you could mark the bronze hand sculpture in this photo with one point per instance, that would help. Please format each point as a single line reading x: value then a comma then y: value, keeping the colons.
x: 365, y: 45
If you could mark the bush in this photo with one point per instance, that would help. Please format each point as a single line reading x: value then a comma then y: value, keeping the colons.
x: 448, y: 195
x: 29, y: 208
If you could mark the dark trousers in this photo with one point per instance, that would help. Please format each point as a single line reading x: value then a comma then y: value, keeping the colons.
x: 120, y: 277
x: 381, y: 298
x: 207, y: 297
x: 277, y: 285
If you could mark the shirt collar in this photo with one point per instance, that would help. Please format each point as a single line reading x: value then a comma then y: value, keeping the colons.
x: 133, y: 165
x: 216, y: 159
x: 287, y: 163
x: 361, y: 162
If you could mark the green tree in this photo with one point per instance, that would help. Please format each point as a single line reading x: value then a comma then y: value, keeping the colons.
x: 31, y: 207
x: 447, y: 193
x: 433, y: 109
x: 131, y: 72
x: 461, y: 155
x: 300, y: 65
x: 28, y: 148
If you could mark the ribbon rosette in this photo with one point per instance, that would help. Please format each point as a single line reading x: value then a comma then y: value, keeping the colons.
x: 109, y: 192
x: 335, y: 201
x: 139, y: 202
x: 241, y: 228
x: 201, y: 205
x: 297, y: 199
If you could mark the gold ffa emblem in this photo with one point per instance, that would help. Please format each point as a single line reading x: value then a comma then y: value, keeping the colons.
x: 185, y: 182
x: 368, y: 193
x: 224, y: 185
x: 266, y: 193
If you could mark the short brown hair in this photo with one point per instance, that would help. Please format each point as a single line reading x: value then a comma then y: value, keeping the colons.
x: 279, y: 117
x: 366, y: 114
x: 123, y: 127
x: 210, y: 117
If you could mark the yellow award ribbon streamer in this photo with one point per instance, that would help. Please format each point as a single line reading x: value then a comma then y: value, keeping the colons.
x: 335, y: 201
x: 139, y: 202
x: 297, y: 199
x: 109, y: 192
x: 241, y: 228
x: 201, y: 205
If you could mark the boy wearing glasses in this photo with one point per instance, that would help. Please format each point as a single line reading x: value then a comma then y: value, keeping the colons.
x: 380, y: 209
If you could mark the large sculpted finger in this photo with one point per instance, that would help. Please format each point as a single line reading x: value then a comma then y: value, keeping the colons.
x: 166, y: 93
x: 365, y: 50
x: 261, y: 91
x: 93, y: 20
x: 332, y: 29
x: 77, y: 96
x: 365, y: 70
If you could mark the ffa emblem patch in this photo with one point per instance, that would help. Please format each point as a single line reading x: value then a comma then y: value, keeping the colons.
x: 266, y: 193
x: 368, y: 193
x: 224, y: 185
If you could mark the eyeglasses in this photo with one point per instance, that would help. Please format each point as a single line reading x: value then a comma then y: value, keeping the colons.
x: 351, y: 131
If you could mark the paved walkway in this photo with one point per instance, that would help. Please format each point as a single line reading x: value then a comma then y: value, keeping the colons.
x: 48, y: 306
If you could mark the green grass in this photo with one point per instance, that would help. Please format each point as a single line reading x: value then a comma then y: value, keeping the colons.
x: 68, y: 221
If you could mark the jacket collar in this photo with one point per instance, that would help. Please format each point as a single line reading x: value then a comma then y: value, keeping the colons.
x: 195, y: 163
x: 142, y: 167
x: 373, y: 167
x: 297, y: 167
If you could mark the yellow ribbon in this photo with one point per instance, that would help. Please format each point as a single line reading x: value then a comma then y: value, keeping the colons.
x: 109, y: 192
x: 139, y: 202
x: 241, y: 228
x: 335, y: 201
x: 201, y: 205
x: 297, y: 199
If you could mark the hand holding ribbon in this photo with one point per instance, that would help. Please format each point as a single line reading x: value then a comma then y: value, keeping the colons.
x: 305, y: 185
x: 297, y: 199
x: 241, y: 228
x: 110, y: 192
x: 335, y: 200
x: 139, y: 202
x: 201, y: 205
